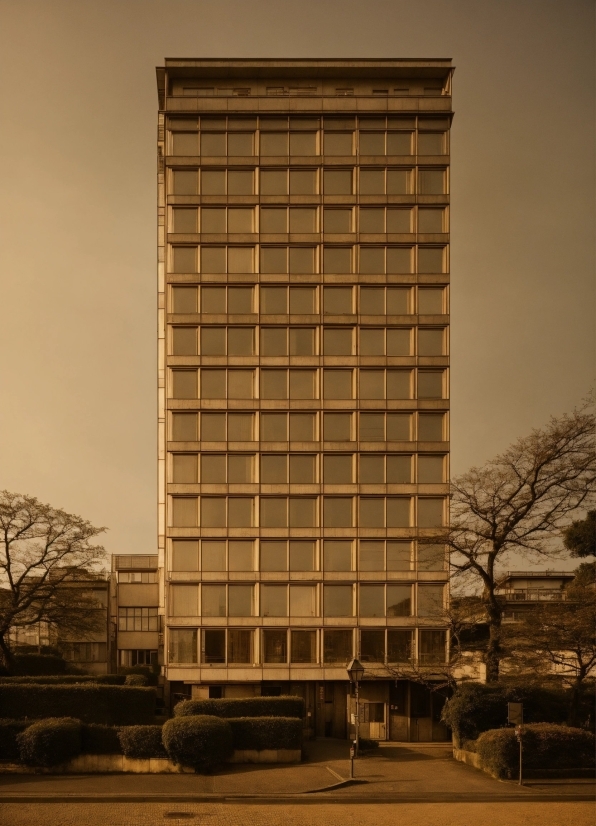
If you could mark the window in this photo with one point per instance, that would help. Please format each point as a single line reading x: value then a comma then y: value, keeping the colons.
x: 399, y: 220
x: 302, y: 469
x: 87, y: 652
x: 275, y: 646
x: 213, y: 555
x: 129, y: 657
x: 184, y: 220
x: 240, y: 555
x: 274, y: 384
x: 372, y: 647
x: 399, y: 600
x: 431, y: 181
x: 430, y: 600
x: 372, y: 300
x: 431, y: 259
x: 338, y: 181
x: 184, y: 299
x: 431, y: 557
x: 399, y: 384
x: 430, y: 512
x: 430, y: 301
x: 274, y: 427
x: 303, y: 181
x: 399, y: 143
x: 303, y: 143
x: 337, y: 555
x: 303, y: 646
x: 337, y: 427
x: 302, y: 300
x: 184, y: 341
x: 240, y: 300
x: 399, y: 645
x: 213, y: 600
x: 184, y: 468
x: 240, y: 600
x: 138, y: 577
x: 274, y: 300
x: 337, y: 220
x: 213, y: 299
x: 398, y: 301
x: 430, y: 427
x: 372, y: 427
x: 184, y: 384
x: 399, y: 469
x: 302, y: 341
x: 274, y: 556
x: 213, y: 143
x: 138, y: 619
x: 274, y: 143
x: 431, y: 143
x: 337, y: 384
x: 302, y: 512
x: 372, y: 384
x: 372, y: 469
x: 240, y: 144
x: 372, y: 601
x: 185, y: 143
x: 213, y: 468
x: 184, y: 511
x: 399, y: 427
x: 338, y: 341
x: 182, y: 646
x: 337, y: 300
x: 337, y: 512
x: 337, y: 469
x: 213, y: 427
x: 213, y: 512
x: 303, y: 220
x: 274, y: 601
x: 431, y: 341
x: 431, y: 220
x: 240, y: 645
x: 431, y: 384
x: 184, y: 601
x: 399, y: 556
x: 213, y: 647
x: 431, y: 645
x: 303, y: 601
x: 274, y: 512
x: 241, y: 341
x: 302, y: 556
x: 184, y: 427
x: 338, y: 143
x: 430, y: 469
x: 337, y: 646
x: 337, y: 601
x: 399, y: 512
x: 240, y: 427
x: 185, y: 182
x: 240, y: 512
x: 337, y: 259
x: 273, y: 220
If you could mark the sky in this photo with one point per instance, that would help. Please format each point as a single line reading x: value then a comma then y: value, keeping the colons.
x: 78, y: 220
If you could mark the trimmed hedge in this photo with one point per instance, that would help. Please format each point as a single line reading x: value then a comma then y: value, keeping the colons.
x: 67, y: 679
x: 244, y: 707
x: 99, y: 739
x: 266, y: 732
x: 9, y: 729
x: 142, y: 741
x: 38, y: 664
x: 49, y: 742
x: 201, y: 742
x: 148, y: 671
x: 545, y: 746
x: 90, y: 703
x: 136, y: 679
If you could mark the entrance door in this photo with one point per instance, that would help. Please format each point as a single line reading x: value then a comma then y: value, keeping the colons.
x: 421, y: 724
x: 398, y: 711
x: 374, y: 715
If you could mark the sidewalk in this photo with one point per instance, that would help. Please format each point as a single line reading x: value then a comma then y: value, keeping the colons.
x: 399, y: 771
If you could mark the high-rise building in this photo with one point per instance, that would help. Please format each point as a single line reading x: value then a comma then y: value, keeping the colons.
x: 303, y: 383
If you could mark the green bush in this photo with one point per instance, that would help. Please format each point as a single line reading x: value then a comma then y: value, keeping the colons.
x: 38, y: 664
x: 476, y: 707
x: 49, y: 742
x: 9, y: 729
x: 91, y: 703
x: 244, y: 707
x: 142, y: 741
x: 99, y: 739
x: 266, y: 732
x: 367, y: 745
x: 545, y: 746
x: 201, y: 742
x: 148, y: 671
x: 136, y: 679
x: 67, y: 679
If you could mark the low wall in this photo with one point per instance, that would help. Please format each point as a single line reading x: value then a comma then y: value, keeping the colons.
x: 119, y: 764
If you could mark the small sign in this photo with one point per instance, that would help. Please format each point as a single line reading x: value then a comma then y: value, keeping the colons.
x: 515, y: 713
x: 353, y: 719
x: 352, y: 752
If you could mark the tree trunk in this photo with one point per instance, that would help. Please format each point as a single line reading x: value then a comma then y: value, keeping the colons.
x: 6, y: 655
x: 494, y: 651
x: 574, y: 701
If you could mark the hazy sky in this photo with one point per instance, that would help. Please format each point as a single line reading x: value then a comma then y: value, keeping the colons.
x: 78, y: 218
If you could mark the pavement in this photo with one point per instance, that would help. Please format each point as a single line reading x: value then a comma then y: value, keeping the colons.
x: 396, y: 772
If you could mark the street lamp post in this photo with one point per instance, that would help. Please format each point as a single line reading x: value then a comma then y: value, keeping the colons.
x: 355, y: 673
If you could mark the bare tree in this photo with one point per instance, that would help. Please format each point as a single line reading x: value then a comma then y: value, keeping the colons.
x: 519, y: 502
x: 44, y: 551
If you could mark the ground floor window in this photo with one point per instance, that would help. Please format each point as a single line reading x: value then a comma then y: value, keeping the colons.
x: 85, y: 652
x: 137, y: 656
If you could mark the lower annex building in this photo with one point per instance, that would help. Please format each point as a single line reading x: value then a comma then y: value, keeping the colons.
x: 303, y: 260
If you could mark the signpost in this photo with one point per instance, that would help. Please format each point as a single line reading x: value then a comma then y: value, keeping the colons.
x: 515, y: 715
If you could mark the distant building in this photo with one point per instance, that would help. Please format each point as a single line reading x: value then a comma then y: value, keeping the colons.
x: 520, y: 591
x: 134, y: 610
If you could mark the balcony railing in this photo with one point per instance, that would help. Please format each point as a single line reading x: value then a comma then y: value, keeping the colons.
x: 534, y: 595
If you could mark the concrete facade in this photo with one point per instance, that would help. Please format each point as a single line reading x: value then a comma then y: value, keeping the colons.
x: 134, y: 610
x: 303, y: 285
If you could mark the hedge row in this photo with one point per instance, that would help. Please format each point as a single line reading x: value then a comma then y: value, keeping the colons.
x: 201, y: 742
x: 545, y: 746
x: 97, y: 738
x: 142, y: 741
x: 49, y: 742
x: 266, y: 732
x: 67, y: 679
x: 90, y: 703
x: 245, y: 707
x: 9, y: 729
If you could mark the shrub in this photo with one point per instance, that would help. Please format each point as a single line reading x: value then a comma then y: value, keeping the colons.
x: 266, y: 732
x: 67, y: 679
x: 38, y: 664
x: 136, y: 679
x: 545, y: 746
x: 90, y: 703
x: 367, y: 745
x: 142, y: 741
x: 9, y: 729
x: 148, y: 671
x: 99, y: 739
x: 49, y: 742
x: 476, y: 707
x: 244, y: 707
x: 201, y: 742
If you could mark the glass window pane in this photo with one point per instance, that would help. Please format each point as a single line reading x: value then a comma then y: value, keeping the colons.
x: 240, y: 427
x: 275, y: 646
x: 430, y: 512
x: 302, y: 260
x: 182, y: 645
x: 213, y: 384
x: 184, y: 259
x: 372, y: 513
x: 399, y: 384
x: 240, y: 259
x: 430, y: 220
x: 213, y: 143
x: 213, y: 299
x: 337, y: 512
x: 214, y: 646
x: 431, y: 181
x: 371, y: 220
x: 239, y: 645
x: 399, y: 556
x: 398, y: 181
x: 240, y: 182
x: 431, y: 646
x: 240, y: 384
x: 337, y: 259
x: 399, y: 143
x: 304, y: 646
x: 338, y: 182
x: 184, y: 341
x: 303, y: 181
x: 398, y: 301
x: 337, y: 469
x: 338, y: 143
x: 274, y: 341
x: 240, y: 341
x: 430, y: 600
x: 274, y: 512
x: 213, y: 182
x: 372, y: 260
x: 338, y: 341
x: 431, y: 259
x: 399, y: 600
x: 185, y: 555
x: 213, y: 220
x: 372, y: 650
x: 274, y: 219
x: 372, y: 601
x: 184, y: 468
x: 431, y: 143
x: 337, y: 556
x: 213, y: 427
x: 240, y: 554
x: 274, y: 143
x: 240, y: 600
x: 303, y: 219
x: 184, y: 299
x: 184, y: 427
x: 371, y: 556
x: 302, y: 556
x: 399, y: 427
x: 185, y: 143
x: 430, y: 342
x: 302, y: 512
x: 302, y: 300
x: 337, y: 427
x: 274, y: 600
x: 337, y: 646
x: 184, y: 384
x: 399, y: 259
x: 213, y: 512
x: 430, y: 427
x: 372, y: 342
x: 399, y: 470
x: 184, y: 601
x: 337, y: 384
x: 274, y: 300
x: 338, y: 220
x: 372, y: 384
x: 372, y: 181
x: 372, y: 300
x: 430, y: 384
x: 399, y: 512
x: 302, y: 341
x: 431, y: 557
x: 185, y: 182
x: 399, y: 342
x: 240, y: 300
x: 213, y: 600
x: 430, y: 469
x: 430, y: 301
x: 240, y: 468
x: 240, y: 143
x: 303, y: 143
x: 213, y: 341
x: 184, y: 511
x: 302, y: 427
x: 302, y: 469
x: 399, y: 220
x: 399, y: 645
x: 302, y: 601
x: 372, y: 143
x: 274, y: 384
x: 274, y: 427
x: 372, y: 469
x: 274, y: 182
x: 302, y: 384
x: 337, y: 300
x: 274, y: 556
x: 372, y: 427
x: 274, y: 469
x: 337, y: 601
